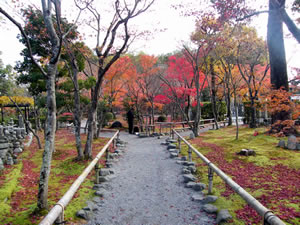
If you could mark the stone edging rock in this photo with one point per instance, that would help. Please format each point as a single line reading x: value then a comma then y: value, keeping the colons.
x: 189, y: 180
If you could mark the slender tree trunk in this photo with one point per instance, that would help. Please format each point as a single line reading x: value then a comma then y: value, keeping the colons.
x: 213, y: 95
x: 228, y: 101
x: 92, y: 117
x: 198, y: 109
x: 253, y: 114
x: 49, y: 138
x: 77, y: 114
x: 236, y: 116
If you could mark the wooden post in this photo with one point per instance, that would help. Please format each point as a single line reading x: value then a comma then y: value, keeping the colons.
x: 179, y: 144
x: 170, y: 129
x: 190, y: 154
x: 160, y: 128
x: 210, y: 180
x: 114, y: 143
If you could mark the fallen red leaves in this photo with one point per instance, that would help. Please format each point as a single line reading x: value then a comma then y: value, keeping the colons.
x: 280, y: 184
x: 28, y: 182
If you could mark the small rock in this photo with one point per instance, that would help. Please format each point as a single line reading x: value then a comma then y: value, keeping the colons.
x: 186, y: 171
x: 199, y: 186
x: 192, y: 135
x: 97, y: 199
x: 179, y: 162
x: 171, y: 146
x: 291, y: 143
x: 209, y: 199
x: 90, y: 206
x: 223, y: 216
x: 172, y: 141
x: 104, y: 172
x: 101, y: 192
x: 197, y: 198
x: 298, y: 146
x: 184, y: 158
x: 82, y: 214
x: 188, y: 177
x: 18, y: 150
x: 1, y: 165
x: 192, y: 169
x: 173, y: 155
x: 190, y: 184
x: 209, y: 208
x: 158, y: 137
x: 10, y: 161
x: 281, y: 144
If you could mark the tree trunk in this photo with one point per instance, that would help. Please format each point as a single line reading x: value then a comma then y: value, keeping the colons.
x: 236, y: 116
x: 49, y: 138
x: 77, y: 114
x: 276, y: 48
x: 253, y: 114
x: 213, y: 95
x: 198, y: 109
x: 92, y: 117
x: 228, y: 101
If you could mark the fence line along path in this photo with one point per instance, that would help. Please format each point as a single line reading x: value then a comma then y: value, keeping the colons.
x: 148, y: 189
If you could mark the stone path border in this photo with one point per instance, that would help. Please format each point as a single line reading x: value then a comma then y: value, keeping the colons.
x: 144, y: 186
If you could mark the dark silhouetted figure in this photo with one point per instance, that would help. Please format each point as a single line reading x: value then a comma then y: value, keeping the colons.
x: 130, y: 118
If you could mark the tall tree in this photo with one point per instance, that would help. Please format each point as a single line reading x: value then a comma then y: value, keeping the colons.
x: 55, y: 42
x: 108, y: 51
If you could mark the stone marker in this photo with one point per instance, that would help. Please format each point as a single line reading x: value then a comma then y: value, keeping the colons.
x: 223, y: 216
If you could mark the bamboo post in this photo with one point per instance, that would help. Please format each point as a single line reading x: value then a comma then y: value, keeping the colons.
x: 60, y: 218
x: 210, y: 180
x: 97, y: 173
x: 190, y: 154
x: 107, y: 156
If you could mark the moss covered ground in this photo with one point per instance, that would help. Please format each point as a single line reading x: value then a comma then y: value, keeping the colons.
x: 272, y: 176
x: 19, y: 183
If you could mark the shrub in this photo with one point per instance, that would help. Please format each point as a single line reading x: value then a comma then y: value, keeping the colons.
x: 162, y: 118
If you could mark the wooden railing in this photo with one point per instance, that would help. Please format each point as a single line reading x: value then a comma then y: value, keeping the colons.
x: 267, y: 215
x: 56, y: 214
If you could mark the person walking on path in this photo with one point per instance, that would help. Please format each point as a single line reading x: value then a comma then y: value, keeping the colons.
x: 130, y: 118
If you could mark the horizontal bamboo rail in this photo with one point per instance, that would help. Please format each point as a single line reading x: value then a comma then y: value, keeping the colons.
x: 58, y: 208
x: 267, y: 215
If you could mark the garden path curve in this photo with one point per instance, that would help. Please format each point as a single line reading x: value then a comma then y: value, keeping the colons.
x: 148, y: 189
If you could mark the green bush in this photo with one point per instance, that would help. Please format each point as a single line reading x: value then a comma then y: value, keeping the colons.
x: 109, y: 116
x: 207, y: 113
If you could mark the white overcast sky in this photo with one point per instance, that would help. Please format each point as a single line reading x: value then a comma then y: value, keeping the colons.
x: 162, y: 15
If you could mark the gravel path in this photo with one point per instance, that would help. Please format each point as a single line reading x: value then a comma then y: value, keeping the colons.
x: 148, y: 189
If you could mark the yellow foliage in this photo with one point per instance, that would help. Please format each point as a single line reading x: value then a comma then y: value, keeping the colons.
x: 4, y: 100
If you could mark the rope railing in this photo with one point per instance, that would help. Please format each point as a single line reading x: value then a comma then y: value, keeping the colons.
x: 56, y: 214
x: 268, y: 216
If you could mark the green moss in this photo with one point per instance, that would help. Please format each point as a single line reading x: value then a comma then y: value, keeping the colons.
x: 84, y: 193
x: 267, y: 155
x: 10, y: 185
